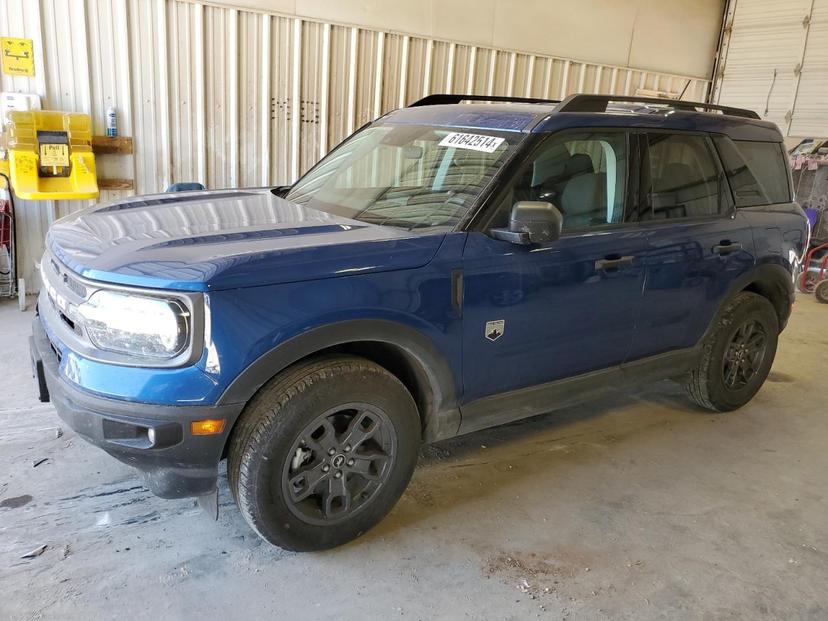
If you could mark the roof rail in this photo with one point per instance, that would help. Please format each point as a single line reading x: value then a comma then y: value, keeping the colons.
x: 599, y: 103
x: 444, y: 98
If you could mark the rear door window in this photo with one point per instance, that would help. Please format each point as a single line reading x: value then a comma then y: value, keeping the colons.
x: 681, y: 179
x: 757, y: 171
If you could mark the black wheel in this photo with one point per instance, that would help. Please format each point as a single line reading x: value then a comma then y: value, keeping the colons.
x: 323, y: 452
x: 807, y: 283
x: 821, y: 291
x: 737, y: 355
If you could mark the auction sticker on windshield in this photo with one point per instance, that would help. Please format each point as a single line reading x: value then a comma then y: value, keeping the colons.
x: 475, y: 142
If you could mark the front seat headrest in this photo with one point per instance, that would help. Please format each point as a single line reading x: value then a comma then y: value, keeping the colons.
x: 578, y: 164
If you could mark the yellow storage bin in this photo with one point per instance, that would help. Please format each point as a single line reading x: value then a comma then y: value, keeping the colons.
x: 50, y: 155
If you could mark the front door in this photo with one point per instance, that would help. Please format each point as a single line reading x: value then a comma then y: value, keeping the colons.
x: 539, y: 313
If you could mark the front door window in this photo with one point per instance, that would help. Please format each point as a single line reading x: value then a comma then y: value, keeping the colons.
x: 584, y: 174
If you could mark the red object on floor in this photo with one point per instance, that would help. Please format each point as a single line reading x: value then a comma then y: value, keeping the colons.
x: 5, y: 224
x: 807, y: 285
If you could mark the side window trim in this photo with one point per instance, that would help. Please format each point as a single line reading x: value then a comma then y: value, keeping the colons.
x: 638, y: 158
x: 723, y: 184
x: 784, y: 154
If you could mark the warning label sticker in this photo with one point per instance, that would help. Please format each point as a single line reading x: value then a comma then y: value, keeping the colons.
x: 54, y: 155
x: 17, y: 56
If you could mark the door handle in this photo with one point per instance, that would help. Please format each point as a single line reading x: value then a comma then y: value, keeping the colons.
x: 457, y: 292
x: 608, y: 263
x: 726, y: 247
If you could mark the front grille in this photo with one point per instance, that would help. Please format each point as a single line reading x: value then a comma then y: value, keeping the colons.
x: 69, y: 322
x: 62, y: 316
x: 62, y: 283
x: 64, y: 292
x: 56, y: 351
x: 74, y: 286
x: 63, y: 275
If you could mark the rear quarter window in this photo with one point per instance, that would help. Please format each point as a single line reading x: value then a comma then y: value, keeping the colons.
x: 757, y: 171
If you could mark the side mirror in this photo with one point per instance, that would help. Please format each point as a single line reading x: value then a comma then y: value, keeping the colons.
x: 532, y: 222
x: 185, y: 186
x: 281, y: 190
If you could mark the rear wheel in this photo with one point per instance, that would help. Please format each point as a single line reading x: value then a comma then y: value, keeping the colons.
x: 821, y: 291
x: 807, y: 282
x: 323, y: 452
x: 737, y: 355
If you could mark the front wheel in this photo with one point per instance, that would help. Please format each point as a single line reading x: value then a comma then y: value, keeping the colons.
x: 737, y: 355
x: 323, y: 452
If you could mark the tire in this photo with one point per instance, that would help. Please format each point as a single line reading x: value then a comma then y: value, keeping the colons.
x: 821, y: 291
x: 806, y: 283
x: 750, y: 321
x: 281, y: 474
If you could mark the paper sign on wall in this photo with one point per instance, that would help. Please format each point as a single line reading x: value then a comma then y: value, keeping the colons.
x: 17, y: 56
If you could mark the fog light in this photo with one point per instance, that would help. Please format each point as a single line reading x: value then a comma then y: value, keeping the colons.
x: 207, y: 427
x: 151, y: 436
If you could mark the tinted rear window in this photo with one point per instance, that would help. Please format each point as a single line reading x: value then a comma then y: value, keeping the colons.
x: 757, y: 171
x: 684, y: 180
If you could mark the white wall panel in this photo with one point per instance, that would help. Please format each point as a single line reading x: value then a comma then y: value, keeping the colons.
x: 231, y: 97
x: 148, y: 37
x: 658, y: 35
x: 281, y: 68
x: 109, y: 75
x: 67, y: 58
x: 187, y: 96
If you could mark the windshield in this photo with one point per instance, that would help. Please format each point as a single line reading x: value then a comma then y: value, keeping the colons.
x: 406, y: 176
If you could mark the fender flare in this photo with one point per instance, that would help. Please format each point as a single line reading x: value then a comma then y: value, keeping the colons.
x: 766, y: 279
x: 441, y: 417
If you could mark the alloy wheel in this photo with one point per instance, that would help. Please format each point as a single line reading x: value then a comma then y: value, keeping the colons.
x: 338, y: 463
x: 744, y: 354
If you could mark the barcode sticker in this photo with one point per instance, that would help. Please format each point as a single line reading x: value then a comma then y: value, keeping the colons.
x: 474, y: 142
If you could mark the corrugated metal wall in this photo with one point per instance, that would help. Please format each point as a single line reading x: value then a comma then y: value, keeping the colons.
x: 234, y: 98
x: 775, y: 60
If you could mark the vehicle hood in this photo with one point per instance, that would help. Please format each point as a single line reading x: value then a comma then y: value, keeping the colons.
x: 202, y: 241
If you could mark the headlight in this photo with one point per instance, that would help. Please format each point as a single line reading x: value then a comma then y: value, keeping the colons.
x: 134, y: 324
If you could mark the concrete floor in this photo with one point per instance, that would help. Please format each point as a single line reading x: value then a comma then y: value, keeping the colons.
x: 632, y: 507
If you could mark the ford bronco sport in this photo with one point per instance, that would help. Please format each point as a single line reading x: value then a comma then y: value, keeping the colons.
x: 454, y: 265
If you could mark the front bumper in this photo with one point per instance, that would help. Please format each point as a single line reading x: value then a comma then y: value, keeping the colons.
x: 154, y: 439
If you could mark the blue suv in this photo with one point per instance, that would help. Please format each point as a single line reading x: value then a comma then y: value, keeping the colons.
x: 461, y: 263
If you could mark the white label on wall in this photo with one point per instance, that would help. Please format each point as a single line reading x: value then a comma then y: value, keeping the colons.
x: 473, y: 142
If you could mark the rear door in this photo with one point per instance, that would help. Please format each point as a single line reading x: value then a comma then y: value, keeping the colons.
x: 698, y: 244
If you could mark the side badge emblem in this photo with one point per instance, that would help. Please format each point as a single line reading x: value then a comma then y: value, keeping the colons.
x: 494, y: 329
